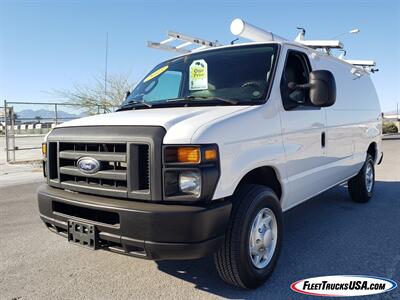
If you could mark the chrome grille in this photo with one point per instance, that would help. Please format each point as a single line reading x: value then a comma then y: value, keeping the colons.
x: 130, y: 157
x: 112, y: 178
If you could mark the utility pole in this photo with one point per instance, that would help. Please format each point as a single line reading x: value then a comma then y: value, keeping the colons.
x: 6, y: 130
x: 398, y: 119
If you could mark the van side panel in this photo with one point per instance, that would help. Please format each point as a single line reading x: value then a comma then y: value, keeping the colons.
x: 353, y: 122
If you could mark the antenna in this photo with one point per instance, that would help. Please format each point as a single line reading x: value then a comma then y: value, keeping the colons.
x: 183, y: 47
x: 105, y: 69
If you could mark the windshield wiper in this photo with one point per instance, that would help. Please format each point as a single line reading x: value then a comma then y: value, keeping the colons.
x: 207, y: 98
x: 132, y: 103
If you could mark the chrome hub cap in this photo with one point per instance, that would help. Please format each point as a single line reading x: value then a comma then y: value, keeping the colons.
x: 263, y: 237
x: 369, y: 177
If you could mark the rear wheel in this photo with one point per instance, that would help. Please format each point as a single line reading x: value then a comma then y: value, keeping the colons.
x: 361, y: 186
x: 253, y: 238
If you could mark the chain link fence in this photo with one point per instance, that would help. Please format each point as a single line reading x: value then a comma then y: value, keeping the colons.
x: 24, y: 124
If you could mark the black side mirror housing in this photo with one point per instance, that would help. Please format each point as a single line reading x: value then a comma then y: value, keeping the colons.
x: 322, y: 88
x: 127, y: 94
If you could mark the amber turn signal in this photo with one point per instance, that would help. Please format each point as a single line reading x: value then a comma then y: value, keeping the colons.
x: 210, y: 154
x: 188, y: 154
x: 44, y: 149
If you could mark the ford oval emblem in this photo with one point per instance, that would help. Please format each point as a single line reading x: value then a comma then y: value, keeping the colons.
x: 88, y: 165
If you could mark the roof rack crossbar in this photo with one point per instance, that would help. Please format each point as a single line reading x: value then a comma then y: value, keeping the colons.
x: 183, y: 47
x: 361, y: 63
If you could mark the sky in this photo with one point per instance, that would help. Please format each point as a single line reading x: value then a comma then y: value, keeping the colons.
x: 50, y: 45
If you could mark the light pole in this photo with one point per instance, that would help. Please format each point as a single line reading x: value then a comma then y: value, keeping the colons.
x: 353, y: 31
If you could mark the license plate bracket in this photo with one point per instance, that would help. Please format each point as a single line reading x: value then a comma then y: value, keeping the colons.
x: 82, y: 234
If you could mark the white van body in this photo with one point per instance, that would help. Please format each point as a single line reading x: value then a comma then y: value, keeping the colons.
x: 116, y: 181
x: 250, y: 137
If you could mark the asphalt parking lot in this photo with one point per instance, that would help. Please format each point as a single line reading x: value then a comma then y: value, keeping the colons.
x: 328, y: 235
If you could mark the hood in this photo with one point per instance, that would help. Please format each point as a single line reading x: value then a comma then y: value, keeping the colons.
x: 179, y: 122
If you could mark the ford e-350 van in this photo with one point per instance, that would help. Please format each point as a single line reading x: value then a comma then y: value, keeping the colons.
x: 209, y: 150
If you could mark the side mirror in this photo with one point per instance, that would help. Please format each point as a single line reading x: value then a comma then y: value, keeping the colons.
x: 322, y: 88
x: 127, y: 94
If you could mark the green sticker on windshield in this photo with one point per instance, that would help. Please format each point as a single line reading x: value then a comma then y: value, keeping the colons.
x: 198, y: 75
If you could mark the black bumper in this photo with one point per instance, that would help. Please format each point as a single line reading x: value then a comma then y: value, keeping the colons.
x: 149, y: 230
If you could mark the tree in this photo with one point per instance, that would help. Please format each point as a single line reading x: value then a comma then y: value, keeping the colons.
x: 389, y: 127
x: 98, y: 95
x: 38, y: 119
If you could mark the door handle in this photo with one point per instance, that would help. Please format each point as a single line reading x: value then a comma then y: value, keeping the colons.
x: 323, y: 139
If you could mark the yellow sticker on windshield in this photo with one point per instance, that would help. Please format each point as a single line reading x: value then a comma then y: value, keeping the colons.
x: 198, y: 75
x: 156, y: 73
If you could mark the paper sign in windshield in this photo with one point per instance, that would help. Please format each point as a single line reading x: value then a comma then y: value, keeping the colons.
x: 198, y: 75
x: 156, y: 73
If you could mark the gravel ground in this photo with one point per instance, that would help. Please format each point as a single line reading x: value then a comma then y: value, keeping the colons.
x: 325, y: 236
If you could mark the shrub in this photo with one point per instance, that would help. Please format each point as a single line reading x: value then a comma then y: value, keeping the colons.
x: 389, y: 127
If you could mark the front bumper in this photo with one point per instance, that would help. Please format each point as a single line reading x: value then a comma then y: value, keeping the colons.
x: 143, y: 229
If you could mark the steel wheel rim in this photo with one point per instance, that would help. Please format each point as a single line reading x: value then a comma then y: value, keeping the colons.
x: 263, y: 238
x: 369, y: 177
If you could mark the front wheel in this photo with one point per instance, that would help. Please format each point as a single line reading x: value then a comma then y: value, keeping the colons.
x: 253, y: 238
x: 361, y: 186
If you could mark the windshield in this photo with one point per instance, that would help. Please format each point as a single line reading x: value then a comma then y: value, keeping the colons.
x: 241, y: 73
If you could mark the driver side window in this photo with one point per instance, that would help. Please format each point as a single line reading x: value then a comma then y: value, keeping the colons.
x: 296, y: 71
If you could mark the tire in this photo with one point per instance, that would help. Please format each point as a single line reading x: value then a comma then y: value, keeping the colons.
x: 361, y: 187
x: 233, y: 261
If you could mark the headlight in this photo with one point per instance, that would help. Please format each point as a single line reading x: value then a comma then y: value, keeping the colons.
x: 190, y: 183
x: 190, y: 172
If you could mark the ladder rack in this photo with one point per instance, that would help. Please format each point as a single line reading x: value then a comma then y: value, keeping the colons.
x: 361, y: 63
x: 186, y: 42
x: 326, y: 45
x: 365, y: 65
x: 182, y: 43
x: 322, y: 44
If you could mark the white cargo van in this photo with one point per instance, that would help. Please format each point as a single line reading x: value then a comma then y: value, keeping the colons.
x: 209, y: 150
